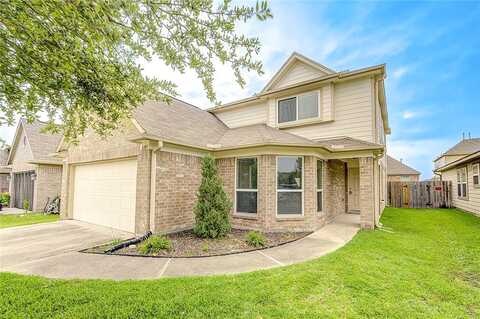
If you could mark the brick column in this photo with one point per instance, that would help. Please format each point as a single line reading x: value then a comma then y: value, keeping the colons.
x: 65, y: 213
x: 142, y: 204
x: 367, y: 198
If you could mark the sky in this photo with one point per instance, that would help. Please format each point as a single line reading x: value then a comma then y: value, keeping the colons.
x: 431, y: 49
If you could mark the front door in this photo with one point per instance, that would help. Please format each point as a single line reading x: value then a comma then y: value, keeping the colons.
x: 353, y: 189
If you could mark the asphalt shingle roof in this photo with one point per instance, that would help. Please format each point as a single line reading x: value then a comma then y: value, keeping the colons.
x: 42, y: 144
x: 464, y: 147
x: 395, y: 167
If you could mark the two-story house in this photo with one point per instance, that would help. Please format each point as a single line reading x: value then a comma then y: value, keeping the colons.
x: 309, y: 146
x: 461, y: 165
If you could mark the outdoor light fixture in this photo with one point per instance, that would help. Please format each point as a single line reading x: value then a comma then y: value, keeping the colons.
x: 34, y: 176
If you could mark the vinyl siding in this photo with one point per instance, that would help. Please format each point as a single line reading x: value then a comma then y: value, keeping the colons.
x: 243, y: 116
x: 22, y: 154
x: 352, y: 114
x: 472, y: 203
x: 298, y: 72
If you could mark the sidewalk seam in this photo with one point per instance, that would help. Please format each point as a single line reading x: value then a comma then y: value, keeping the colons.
x: 271, y: 258
x: 164, y: 268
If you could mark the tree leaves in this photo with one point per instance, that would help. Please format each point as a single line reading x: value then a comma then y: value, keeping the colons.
x: 77, y: 61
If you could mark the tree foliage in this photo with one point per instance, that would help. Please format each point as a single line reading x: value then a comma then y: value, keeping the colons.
x: 213, y: 206
x: 79, y: 60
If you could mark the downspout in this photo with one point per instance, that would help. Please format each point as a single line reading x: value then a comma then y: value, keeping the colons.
x: 153, y: 178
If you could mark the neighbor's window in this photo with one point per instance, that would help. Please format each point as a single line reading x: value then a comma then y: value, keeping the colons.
x: 476, y: 174
x: 319, y: 185
x: 300, y: 107
x: 246, y: 196
x: 462, y: 182
x: 289, y: 185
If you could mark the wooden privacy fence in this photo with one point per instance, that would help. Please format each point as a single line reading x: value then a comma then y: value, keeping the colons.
x: 429, y: 194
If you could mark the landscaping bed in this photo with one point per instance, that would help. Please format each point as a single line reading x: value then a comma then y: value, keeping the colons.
x: 187, y: 244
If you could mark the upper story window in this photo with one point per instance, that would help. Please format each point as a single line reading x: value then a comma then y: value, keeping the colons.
x: 300, y: 107
x: 476, y: 174
x: 462, y: 182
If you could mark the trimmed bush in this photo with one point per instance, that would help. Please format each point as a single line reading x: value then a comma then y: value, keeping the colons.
x: 154, y: 244
x: 255, y: 239
x: 213, y: 206
x: 26, y: 205
x: 5, y: 198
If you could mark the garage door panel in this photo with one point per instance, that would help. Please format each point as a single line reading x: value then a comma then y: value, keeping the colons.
x: 105, y: 193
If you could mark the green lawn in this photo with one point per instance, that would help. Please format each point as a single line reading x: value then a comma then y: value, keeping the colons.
x: 427, y: 266
x: 25, y: 219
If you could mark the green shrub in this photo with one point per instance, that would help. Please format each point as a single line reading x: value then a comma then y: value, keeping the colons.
x: 26, y: 204
x: 255, y: 239
x: 213, y: 206
x: 154, y: 244
x: 5, y: 198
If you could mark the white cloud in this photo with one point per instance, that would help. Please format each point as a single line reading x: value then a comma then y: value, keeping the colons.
x: 408, y: 115
x: 400, y: 72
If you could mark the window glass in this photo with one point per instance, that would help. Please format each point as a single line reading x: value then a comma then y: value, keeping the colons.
x: 308, y: 105
x: 476, y: 174
x: 319, y: 174
x: 289, y: 173
x: 246, y: 194
x: 247, y: 173
x: 289, y: 203
x: 287, y: 110
x: 319, y: 201
x: 247, y: 202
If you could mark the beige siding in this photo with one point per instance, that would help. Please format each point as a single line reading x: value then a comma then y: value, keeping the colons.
x: 403, y: 178
x: 353, y: 114
x: 472, y: 203
x: 243, y: 116
x: 298, y: 72
x: 22, y: 154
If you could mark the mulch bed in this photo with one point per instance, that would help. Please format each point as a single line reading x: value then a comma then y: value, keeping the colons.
x: 186, y: 244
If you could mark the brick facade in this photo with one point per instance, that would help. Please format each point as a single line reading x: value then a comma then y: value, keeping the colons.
x: 4, y: 182
x: 367, y: 193
x: 266, y: 218
x: 334, y: 189
x: 47, y: 185
x: 178, y: 178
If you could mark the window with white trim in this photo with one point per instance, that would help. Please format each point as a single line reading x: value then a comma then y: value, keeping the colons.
x: 289, y: 185
x: 462, y: 182
x: 246, y: 186
x: 319, y: 185
x: 476, y: 174
x: 300, y: 107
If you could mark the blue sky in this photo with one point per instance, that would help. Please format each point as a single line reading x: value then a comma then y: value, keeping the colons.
x: 432, y: 52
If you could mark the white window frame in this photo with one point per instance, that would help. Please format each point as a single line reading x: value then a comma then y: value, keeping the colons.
x: 244, y: 189
x: 316, y: 183
x: 476, y: 172
x: 277, y: 190
x: 296, y: 108
x: 461, y: 182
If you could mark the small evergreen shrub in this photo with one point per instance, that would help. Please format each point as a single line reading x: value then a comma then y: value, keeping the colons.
x: 154, y: 244
x: 26, y: 205
x: 5, y: 198
x: 255, y: 239
x: 213, y: 206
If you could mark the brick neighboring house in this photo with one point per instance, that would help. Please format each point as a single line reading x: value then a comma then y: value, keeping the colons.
x: 35, y: 175
x: 397, y: 171
x: 4, y: 171
x: 309, y: 146
x: 461, y: 165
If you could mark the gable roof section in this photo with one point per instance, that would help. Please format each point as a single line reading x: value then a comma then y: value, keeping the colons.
x: 290, y: 62
x: 395, y: 167
x: 464, y: 147
x: 41, y: 144
x: 180, y: 123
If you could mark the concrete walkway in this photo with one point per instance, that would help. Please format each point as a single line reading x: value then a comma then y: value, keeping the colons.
x: 51, y: 250
x: 12, y: 211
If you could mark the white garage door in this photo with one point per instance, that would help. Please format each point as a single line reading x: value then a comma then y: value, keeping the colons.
x: 104, y: 194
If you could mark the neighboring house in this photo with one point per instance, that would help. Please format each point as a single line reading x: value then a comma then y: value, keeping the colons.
x: 397, y: 171
x: 309, y: 146
x: 4, y: 171
x: 35, y: 175
x: 464, y: 173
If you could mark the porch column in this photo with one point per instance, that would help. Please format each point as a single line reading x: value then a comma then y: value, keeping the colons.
x: 367, y: 193
x: 142, y: 203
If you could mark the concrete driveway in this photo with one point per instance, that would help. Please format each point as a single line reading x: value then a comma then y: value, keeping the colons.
x: 52, y: 250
